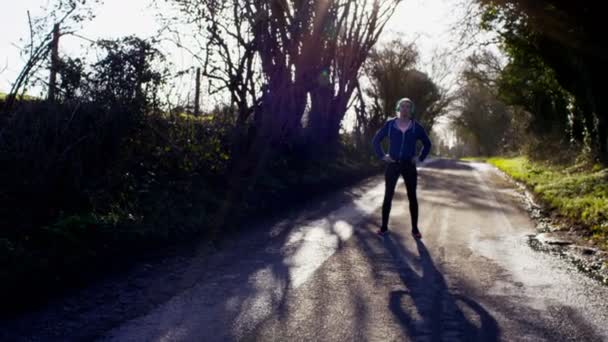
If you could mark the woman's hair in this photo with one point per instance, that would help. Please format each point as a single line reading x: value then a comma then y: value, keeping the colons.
x: 405, y: 99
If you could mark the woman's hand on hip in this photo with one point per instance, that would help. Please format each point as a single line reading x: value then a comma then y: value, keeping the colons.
x: 388, y: 159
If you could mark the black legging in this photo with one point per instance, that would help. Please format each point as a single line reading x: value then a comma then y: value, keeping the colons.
x: 410, y: 176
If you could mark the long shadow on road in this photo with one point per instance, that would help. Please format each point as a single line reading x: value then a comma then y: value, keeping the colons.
x: 440, y: 315
x: 426, y: 309
x: 456, y: 185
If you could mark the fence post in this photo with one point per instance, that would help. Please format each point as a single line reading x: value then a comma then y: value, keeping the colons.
x: 197, y: 92
x: 54, y: 63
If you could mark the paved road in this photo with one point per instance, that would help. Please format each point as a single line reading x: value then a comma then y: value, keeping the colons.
x: 323, y: 275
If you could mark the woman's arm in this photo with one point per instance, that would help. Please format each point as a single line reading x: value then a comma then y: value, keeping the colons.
x: 380, y: 135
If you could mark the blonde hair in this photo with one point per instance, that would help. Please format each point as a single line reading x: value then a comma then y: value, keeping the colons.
x: 405, y: 99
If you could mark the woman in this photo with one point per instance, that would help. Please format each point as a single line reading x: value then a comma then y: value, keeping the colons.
x: 403, y: 132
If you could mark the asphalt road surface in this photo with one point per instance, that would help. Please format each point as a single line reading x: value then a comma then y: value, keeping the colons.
x: 322, y: 274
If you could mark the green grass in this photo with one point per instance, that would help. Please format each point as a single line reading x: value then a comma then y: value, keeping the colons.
x: 25, y: 97
x: 474, y: 159
x: 577, y: 193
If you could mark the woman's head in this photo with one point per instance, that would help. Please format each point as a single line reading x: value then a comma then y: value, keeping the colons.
x: 405, y: 107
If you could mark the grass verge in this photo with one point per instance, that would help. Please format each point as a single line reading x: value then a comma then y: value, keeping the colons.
x: 576, y: 194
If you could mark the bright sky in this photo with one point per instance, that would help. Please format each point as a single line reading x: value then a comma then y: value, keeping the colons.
x: 428, y: 22
x: 114, y: 18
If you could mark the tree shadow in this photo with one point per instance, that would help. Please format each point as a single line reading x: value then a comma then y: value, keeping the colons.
x: 248, y: 281
x: 201, y: 278
x: 458, y: 189
x: 252, y: 273
x: 448, y: 164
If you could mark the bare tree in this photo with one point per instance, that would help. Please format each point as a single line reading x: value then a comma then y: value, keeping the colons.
x: 484, y: 67
x: 391, y: 73
x: 3, y: 69
x: 64, y: 13
x: 226, y: 49
x: 273, y: 57
x: 304, y: 51
x: 357, y: 28
x: 481, y: 119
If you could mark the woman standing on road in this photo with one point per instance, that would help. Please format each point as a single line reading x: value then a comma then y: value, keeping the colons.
x: 403, y: 132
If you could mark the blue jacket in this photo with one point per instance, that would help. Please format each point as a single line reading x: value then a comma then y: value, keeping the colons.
x: 402, y: 146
